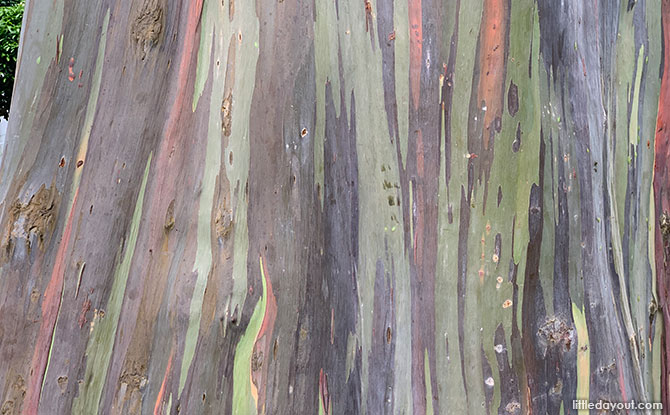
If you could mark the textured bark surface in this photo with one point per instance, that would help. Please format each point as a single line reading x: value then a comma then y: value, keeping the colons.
x: 336, y: 207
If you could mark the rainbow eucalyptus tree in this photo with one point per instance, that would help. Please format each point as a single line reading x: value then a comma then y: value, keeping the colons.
x: 336, y: 207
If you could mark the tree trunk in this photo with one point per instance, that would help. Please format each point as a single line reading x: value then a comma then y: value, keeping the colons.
x: 287, y: 208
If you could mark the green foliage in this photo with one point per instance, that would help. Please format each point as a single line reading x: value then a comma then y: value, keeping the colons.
x: 11, y: 14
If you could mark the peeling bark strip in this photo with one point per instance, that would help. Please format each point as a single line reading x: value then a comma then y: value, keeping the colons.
x: 662, y: 203
x: 248, y: 207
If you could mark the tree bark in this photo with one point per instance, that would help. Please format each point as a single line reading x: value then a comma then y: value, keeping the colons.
x: 288, y: 208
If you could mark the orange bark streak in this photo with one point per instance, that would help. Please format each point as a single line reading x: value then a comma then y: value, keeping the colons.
x: 492, y: 61
x: 158, y: 408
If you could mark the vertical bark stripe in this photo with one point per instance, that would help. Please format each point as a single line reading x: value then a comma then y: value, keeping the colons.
x: 415, y: 50
x: 662, y: 203
x: 104, y: 326
x: 492, y: 55
x: 50, y: 308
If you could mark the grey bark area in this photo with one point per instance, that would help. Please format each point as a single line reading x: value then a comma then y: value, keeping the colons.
x: 336, y: 207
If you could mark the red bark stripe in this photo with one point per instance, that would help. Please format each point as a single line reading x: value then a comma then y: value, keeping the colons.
x: 415, y: 49
x: 50, y: 307
x: 194, y: 13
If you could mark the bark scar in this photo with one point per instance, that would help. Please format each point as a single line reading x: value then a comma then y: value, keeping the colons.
x: 147, y: 27
x: 35, y: 217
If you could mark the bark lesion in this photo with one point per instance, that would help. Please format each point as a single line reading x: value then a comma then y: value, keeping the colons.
x: 31, y: 221
x: 15, y: 395
x: 169, y: 217
x: 147, y: 27
x: 556, y: 331
x: 664, y: 223
x: 224, y: 221
x: 226, y: 114
x: 135, y: 376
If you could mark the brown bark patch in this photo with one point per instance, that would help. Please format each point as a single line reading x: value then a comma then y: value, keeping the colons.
x: 62, y: 383
x: 256, y: 361
x: 7, y: 408
x: 227, y: 114
x: 16, y: 394
x: 169, y: 217
x: 82, y: 314
x: 224, y: 222
x: 147, y: 27
x: 36, y: 217
x: 135, y: 376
